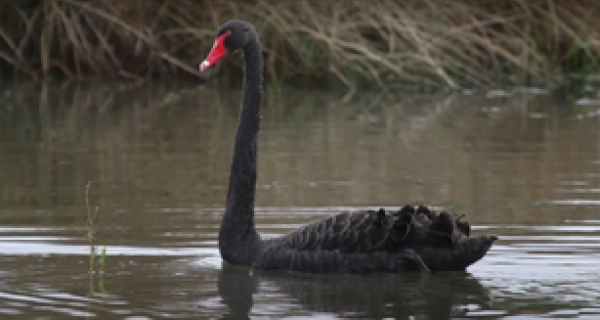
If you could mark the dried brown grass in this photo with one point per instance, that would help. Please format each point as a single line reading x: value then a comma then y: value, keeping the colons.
x: 442, y: 42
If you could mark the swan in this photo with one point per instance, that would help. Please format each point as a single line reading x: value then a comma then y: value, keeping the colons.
x: 413, y: 238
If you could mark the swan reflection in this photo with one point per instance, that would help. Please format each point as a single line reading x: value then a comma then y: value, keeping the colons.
x: 401, y: 296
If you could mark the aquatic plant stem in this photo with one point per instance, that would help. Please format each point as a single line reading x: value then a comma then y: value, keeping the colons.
x: 90, y: 228
x: 96, y: 258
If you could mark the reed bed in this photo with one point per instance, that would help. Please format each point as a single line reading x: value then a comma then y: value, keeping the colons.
x: 442, y: 43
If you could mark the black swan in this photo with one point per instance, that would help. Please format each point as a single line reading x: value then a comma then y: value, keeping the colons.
x: 412, y: 238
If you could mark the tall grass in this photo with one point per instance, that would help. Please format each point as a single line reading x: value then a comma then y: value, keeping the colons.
x: 441, y: 42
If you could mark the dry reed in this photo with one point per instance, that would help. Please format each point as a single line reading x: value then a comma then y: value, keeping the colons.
x: 442, y: 42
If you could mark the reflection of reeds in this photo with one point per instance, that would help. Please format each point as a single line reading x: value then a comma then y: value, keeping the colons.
x: 445, y: 42
x: 318, y: 151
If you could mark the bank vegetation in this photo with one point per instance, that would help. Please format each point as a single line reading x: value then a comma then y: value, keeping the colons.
x: 450, y: 43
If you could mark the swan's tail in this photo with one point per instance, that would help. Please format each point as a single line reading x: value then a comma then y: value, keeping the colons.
x: 466, y: 252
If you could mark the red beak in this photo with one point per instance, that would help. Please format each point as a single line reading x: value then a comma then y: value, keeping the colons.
x: 217, y: 52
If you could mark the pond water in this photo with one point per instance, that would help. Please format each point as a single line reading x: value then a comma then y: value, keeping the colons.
x: 523, y: 165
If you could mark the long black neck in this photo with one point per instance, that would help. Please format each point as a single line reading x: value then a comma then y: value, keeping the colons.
x: 239, y: 241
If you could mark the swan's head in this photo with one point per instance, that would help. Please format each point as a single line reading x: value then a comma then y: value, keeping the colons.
x: 232, y: 36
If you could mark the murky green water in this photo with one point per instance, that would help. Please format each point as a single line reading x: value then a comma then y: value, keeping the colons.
x: 526, y: 167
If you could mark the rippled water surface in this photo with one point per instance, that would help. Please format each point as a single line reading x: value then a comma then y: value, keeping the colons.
x: 524, y: 166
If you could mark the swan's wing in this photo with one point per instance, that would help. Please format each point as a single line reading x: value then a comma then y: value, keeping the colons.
x: 378, y: 241
x: 375, y: 230
x: 347, y: 232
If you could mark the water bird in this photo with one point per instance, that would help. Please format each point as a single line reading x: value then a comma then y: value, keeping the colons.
x: 412, y: 238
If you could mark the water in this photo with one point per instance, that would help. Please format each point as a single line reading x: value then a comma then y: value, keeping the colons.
x: 524, y: 166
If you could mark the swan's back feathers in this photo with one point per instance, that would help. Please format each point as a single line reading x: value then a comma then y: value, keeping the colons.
x: 338, y: 231
x: 412, y: 238
x: 377, y: 230
x: 348, y: 232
